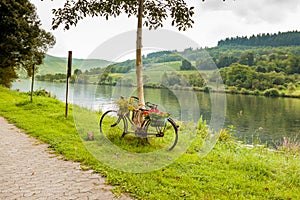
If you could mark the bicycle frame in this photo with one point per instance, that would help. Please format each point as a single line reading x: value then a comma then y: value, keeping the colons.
x: 137, y: 130
x: 143, y: 123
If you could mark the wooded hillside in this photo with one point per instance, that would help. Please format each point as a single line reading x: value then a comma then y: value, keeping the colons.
x: 290, y: 38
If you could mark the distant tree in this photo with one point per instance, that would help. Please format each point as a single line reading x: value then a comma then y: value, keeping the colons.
x: 103, y: 77
x: 293, y: 64
x: 205, y: 64
x: 166, y: 58
x: 153, y: 11
x: 110, y: 80
x: 77, y: 72
x: 260, y: 69
x: 279, y: 79
x: 22, y: 42
x: 196, y: 80
x: 225, y: 61
x: 186, y: 65
x: 239, y: 75
x: 247, y: 59
x: 158, y: 54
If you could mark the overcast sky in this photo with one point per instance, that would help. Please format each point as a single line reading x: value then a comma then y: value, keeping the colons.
x: 214, y: 20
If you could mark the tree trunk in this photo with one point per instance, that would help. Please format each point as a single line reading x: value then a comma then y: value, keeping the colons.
x: 139, y: 62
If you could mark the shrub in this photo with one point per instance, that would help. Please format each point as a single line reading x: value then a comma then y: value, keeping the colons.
x: 281, y: 87
x: 291, y: 88
x: 207, y: 89
x: 271, y: 92
x: 202, y: 128
x: 245, y: 91
x: 233, y: 90
x: 256, y: 92
x: 227, y: 134
x: 41, y: 92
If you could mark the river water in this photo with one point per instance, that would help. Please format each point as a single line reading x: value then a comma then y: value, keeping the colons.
x: 255, y: 118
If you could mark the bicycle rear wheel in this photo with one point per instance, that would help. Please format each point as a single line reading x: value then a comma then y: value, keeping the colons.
x: 112, y: 125
x: 165, y: 136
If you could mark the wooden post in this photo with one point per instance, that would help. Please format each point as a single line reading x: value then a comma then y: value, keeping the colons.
x: 68, y: 76
x: 32, y: 82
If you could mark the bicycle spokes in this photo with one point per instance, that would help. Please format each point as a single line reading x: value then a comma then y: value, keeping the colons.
x: 154, y: 125
x: 162, y: 137
x: 111, y: 124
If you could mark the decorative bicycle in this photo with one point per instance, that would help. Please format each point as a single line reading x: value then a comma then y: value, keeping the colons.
x: 150, y: 123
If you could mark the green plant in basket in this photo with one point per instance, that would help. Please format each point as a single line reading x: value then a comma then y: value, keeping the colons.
x: 126, y: 105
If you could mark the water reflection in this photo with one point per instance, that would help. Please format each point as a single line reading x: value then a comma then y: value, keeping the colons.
x: 268, y: 119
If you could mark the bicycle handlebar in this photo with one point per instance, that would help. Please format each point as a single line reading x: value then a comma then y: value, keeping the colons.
x: 134, y: 97
x: 151, y: 105
x: 148, y: 104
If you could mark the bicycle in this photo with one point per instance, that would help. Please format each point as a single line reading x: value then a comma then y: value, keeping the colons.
x: 146, y: 123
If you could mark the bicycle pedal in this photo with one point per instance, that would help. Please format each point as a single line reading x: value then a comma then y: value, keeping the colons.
x: 160, y: 135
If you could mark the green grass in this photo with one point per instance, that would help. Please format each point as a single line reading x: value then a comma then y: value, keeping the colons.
x: 229, y: 171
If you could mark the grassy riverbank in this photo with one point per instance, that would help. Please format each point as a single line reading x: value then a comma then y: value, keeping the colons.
x: 229, y: 171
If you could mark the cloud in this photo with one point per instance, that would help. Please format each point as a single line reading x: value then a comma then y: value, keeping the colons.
x: 214, y: 20
x: 255, y: 11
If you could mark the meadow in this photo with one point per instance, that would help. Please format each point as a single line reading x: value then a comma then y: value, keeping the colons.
x: 231, y: 170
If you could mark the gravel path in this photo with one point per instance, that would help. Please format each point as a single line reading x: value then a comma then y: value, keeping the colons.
x: 28, y: 171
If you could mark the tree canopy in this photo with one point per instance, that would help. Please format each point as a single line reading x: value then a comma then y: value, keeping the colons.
x: 22, y: 42
x: 154, y: 12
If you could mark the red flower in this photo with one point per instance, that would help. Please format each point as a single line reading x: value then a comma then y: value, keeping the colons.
x: 146, y: 112
x: 154, y: 110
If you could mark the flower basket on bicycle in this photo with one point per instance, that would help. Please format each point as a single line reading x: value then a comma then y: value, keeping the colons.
x: 158, y: 118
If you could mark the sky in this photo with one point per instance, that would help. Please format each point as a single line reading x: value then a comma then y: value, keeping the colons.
x: 214, y: 20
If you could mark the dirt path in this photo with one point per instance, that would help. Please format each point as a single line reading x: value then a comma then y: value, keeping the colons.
x: 28, y: 171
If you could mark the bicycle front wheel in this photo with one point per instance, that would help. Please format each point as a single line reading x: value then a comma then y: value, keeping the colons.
x: 112, y: 125
x: 162, y: 136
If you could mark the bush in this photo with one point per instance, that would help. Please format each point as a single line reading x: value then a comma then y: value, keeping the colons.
x: 256, y: 92
x: 271, y: 93
x: 233, y: 90
x: 227, y: 134
x: 202, y: 128
x: 291, y: 88
x: 207, y: 89
x: 245, y: 91
x: 281, y: 87
x: 41, y: 92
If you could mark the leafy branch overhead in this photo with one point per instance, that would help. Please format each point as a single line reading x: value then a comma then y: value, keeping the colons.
x: 155, y: 12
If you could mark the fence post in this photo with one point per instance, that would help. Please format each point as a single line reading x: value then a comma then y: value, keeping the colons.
x: 68, y: 77
x: 32, y: 82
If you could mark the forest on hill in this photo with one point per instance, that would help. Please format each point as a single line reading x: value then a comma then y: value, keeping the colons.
x: 273, y: 71
x: 290, y: 38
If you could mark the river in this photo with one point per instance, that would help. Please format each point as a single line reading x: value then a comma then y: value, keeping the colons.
x: 255, y: 118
